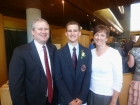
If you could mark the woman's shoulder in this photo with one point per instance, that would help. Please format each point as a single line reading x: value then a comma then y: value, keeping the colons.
x: 93, y: 50
x: 112, y: 49
x: 135, y: 50
x: 113, y: 52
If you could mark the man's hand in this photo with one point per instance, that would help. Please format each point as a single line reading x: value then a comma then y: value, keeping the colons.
x: 78, y: 101
x: 72, y: 102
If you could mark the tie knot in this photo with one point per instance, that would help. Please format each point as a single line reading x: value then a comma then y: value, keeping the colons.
x: 74, y: 49
x: 43, y: 46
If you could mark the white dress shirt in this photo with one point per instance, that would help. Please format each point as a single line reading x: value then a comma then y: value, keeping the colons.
x: 71, y: 49
x: 40, y: 51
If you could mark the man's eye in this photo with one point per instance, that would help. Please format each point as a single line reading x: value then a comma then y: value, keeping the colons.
x: 96, y: 34
x: 75, y: 30
x: 40, y: 29
x: 102, y: 35
x: 69, y: 31
x: 46, y: 29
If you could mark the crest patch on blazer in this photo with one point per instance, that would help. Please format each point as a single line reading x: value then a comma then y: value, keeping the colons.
x: 83, y: 68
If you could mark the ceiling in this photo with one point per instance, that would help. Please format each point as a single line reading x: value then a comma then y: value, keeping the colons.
x: 57, y: 14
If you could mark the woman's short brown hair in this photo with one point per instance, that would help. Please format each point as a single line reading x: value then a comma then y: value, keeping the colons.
x: 101, y: 28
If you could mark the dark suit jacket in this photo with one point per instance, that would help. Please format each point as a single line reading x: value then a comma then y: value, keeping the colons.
x: 27, y: 80
x: 72, y: 85
x: 128, y: 46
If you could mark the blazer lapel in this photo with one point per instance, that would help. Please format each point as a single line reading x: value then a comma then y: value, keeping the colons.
x: 36, y: 58
x: 51, y: 58
x: 68, y: 60
x: 80, y: 62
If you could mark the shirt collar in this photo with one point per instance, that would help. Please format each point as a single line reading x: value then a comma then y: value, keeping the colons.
x: 38, y: 45
x: 71, y: 47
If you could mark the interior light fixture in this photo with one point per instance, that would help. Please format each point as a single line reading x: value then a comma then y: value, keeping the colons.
x: 121, y: 9
x: 63, y: 6
x: 107, y: 16
x: 52, y: 4
x: 62, y: 1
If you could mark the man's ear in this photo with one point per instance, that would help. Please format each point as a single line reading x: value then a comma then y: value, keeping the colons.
x: 32, y: 31
x: 66, y: 33
x: 80, y: 33
x: 106, y: 39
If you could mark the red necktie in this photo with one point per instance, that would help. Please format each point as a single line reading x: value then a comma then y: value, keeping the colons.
x: 74, y: 58
x: 48, y: 75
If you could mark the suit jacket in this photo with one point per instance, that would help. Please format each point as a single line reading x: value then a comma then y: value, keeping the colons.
x: 27, y: 80
x: 72, y: 85
x: 128, y: 46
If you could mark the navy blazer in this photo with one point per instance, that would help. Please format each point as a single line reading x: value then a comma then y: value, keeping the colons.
x: 27, y: 80
x: 72, y: 85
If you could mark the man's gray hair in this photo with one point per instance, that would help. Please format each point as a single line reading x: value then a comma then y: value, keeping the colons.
x: 37, y: 20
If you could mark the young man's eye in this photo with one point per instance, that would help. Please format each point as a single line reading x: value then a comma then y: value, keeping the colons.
x: 46, y: 29
x: 96, y: 34
x: 75, y: 31
x: 102, y: 35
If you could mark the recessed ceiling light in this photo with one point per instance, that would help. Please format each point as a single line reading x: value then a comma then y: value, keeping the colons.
x: 52, y: 4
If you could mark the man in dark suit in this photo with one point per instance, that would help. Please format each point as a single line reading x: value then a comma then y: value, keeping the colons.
x: 28, y: 76
x: 129, y: 45
x: 72, y: 69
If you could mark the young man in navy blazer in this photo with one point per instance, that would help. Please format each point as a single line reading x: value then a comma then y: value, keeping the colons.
x: 27, y: 72
x: 72, y: 80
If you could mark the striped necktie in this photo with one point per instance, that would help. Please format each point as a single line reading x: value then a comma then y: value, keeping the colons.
x: 74, y: 57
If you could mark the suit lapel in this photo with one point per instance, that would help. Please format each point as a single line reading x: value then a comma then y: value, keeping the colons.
x: 51, y: 58
x: 36, y: 58
x: 68, y: 60
x: 80, y: 62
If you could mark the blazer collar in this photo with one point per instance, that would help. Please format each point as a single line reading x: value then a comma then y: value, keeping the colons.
x: 51, y: 57
x: 80, y: 61
x: 35, y: 56
x: 68, y: 60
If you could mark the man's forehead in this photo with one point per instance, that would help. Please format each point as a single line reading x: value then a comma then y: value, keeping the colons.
x: 72, y: 27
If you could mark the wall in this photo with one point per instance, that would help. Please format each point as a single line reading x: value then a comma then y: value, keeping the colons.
x: 14, y: 23
x: 20, y: 23
x: 3, y: 64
